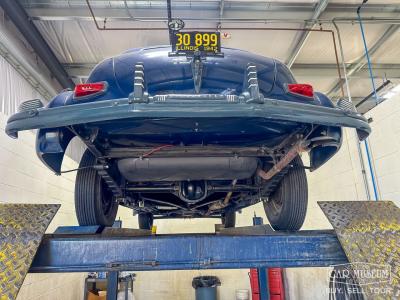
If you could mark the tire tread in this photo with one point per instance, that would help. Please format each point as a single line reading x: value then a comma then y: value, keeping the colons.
x: 293, y: 192
x: 87, y: 206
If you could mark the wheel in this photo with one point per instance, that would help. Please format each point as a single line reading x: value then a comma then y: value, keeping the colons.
x: 229, y: 218
x: 94, y: 202
x: 286, y: 208
x: 145, y: 220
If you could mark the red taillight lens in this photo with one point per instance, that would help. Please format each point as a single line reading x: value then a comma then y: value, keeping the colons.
x: 301, y: 89
x: 89, y: 89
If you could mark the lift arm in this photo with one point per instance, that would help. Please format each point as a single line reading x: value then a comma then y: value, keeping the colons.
x: 82, y: 253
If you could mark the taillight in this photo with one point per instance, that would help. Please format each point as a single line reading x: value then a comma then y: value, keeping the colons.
x: 301, y: 89
x: 89, y: 89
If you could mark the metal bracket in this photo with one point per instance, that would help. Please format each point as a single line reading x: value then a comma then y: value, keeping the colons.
x: 139, y: 94
x: 251, y: 90
x: 197, y: 71
x: 176, y: 24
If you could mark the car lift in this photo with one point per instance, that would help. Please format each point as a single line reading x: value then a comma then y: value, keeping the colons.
x: 367, y: 232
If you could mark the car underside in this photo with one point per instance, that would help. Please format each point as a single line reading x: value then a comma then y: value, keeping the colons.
x: 207, y: 174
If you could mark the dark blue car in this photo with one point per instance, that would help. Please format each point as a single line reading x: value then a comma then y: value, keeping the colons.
x: 202, y: 137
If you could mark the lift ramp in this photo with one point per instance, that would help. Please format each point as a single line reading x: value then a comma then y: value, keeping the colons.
x: 369, y: 232
x: 22, y: 227
x: 82, y: 253
x: 364, y: 232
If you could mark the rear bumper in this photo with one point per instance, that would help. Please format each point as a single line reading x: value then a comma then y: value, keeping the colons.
x: 118, y: 109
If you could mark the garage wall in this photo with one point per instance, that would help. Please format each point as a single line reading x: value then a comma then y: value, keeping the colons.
x: 24, y: 179
x: 341, y: 180
x: 385, y: 147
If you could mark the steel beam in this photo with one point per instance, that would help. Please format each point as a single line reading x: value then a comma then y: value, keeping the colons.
x: 208, y: 5
x: 83, y: 253
x: 390, y: 71
x: 22, y: 21
x: 361, y: 62
x: 15, y: 52
x: 116, y: 10
x: 319, y: 9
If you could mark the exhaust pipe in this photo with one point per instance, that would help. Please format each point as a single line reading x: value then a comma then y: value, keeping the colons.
x: 298, y: 147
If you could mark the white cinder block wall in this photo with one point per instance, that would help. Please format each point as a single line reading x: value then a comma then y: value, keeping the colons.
x: 341, y: 180
x: 24, y: 179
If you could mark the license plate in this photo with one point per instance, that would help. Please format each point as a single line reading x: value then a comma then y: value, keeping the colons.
x: 189, y: 42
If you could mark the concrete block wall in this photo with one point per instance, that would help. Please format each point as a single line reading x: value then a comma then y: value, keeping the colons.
x: 385, y: 148
x: 341, y: 180
x: 24, y: 179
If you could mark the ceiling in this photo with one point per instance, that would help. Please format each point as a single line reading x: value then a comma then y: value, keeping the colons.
x: 69, y: 29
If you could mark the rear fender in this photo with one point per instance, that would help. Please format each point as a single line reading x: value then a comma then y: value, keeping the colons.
x: 51, y: 145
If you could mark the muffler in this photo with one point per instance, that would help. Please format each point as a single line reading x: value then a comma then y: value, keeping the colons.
x: 187, y: 168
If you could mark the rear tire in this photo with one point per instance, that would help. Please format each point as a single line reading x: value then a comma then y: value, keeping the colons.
x: 286, y: 208
x: 145, y: 220
x: 229, y: 218
x: 94, y: 202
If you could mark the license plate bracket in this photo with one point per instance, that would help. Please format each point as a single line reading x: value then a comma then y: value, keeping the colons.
x: 189, y: 42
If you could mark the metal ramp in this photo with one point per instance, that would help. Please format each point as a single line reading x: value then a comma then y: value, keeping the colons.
x: 369, y: 233
x: 366, y: 232
x: 22, y: 227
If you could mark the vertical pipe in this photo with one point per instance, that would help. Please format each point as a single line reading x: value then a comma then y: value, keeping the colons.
x: 112, y: 285
x: 343, y: 60
x: 374, y: 183
x: 371, y: 170
x: 169, y: 14
x: 263, y: 283
x: 360, y: 154
x: 366, y: 51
